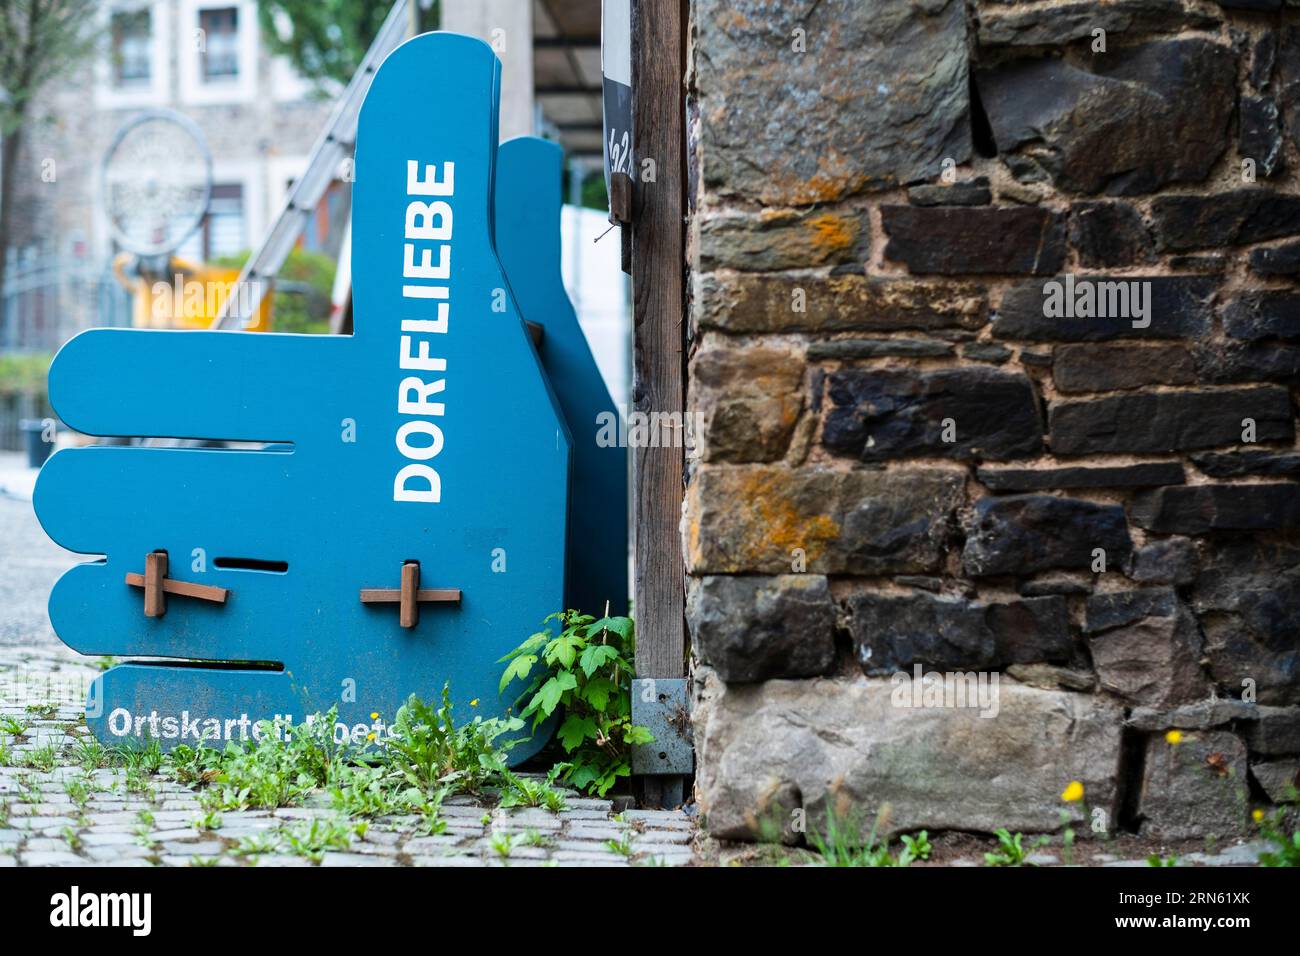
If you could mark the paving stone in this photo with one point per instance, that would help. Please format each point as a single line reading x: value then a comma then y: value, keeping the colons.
x: 662, y: 837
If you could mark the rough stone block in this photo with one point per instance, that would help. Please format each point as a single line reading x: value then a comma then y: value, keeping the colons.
x: 1238, y: 464
x: 1020, y: 240
x: 1196, y: 509
x: 1179, y: 307
x: 1195, y: 788
x: 1275, y: 730
x: 1247, y: 597
x: 750, y: 628
x: 1082, y: 476
x: 1067, y: 22
x: 766, y: 749
x: 879, y: 96
x: 1267, y: 314
x: 894, y: 632
x: 1169, y: 421
x: 1164, y: 561
x: 1280, y: 779
x: 1280, y: 260
x: 970, y: 192
x: 1109, y: 234
x: 975, y: 412
x: 1145, y: 116
x: 1202, y: 715
x: 781, y: 239
x: 1259, y: 136
x: 1235, y: 218
x: 1022, y: 534
x: 750, y: 399
x: 1106, y: 368
x: 740, y: 302
x: 754, y: 518
x: 1146, y: 647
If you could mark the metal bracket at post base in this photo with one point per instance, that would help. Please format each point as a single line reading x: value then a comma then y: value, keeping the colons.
x: 662, y: 705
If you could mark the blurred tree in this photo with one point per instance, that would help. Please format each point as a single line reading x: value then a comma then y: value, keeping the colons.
x: 594, y: 194
x: 326, y: 39
x: 40, y: 40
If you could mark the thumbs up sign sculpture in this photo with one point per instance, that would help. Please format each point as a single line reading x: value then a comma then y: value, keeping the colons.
x: 405, y: 526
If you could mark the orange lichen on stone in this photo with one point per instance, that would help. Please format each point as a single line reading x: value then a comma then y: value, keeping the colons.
x: 832, y: 233
x: 777, y: 524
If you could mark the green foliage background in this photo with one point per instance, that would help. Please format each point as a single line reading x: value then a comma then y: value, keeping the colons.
x: 326, y: 39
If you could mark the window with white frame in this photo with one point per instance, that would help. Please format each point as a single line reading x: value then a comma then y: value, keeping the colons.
x: 217, y: 51
x: 134, y: 70
x: 132, y: 52
x: 220, y: 53
x: 223, y: 231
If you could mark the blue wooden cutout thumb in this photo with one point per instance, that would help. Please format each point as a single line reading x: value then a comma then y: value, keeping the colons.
x: 430, y: 435
x: 529, y: 174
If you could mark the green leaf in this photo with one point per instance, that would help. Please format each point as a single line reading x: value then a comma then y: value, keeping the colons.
x: 637, y: 734
x: 574, y: 731
x: 595, y: 656
x: 553, y: 690
x: 582, y: 776
x: 532, y: 644
x: 563, y: 650
x: 609, y: 778
x: 519, y: 667
x: 597, y: 692
x: 622, y: 626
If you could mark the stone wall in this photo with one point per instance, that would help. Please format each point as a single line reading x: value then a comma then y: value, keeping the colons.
x: 994, y: 336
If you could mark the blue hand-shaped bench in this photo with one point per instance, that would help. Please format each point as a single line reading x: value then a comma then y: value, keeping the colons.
x: 405, y: 525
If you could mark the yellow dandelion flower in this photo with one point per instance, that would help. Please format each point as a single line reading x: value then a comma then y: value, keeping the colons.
x: 375, y: 715
x: 370, y: 736
x: 474, y: 702
x: 1174, y: 738
x: 1073, y: 793
x: 1257, y: 815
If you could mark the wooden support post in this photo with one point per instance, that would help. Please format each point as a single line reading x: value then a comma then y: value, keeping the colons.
x: 658, y: 276
x: 155, y: 569
x: 409, y: 614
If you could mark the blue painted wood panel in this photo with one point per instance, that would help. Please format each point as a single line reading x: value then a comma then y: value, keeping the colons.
x: 320, y: 503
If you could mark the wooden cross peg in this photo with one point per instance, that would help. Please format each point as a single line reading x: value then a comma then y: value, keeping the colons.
x: 155, y: 569
x: 157, y: 586
x: 410, y: 596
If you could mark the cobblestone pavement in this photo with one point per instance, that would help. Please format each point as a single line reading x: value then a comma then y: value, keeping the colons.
x: 55, y: 813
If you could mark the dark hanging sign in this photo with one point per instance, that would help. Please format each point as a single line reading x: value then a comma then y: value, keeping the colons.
x: 616, y: 75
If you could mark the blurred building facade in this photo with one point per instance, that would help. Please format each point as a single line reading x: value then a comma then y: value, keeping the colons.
x: 202, y: 58
x: 208, y: 60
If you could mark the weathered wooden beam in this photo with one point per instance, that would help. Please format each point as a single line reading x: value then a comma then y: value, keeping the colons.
x: 658, y: 263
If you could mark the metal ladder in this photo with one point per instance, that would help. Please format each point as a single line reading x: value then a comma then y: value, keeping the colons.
x: 327, y: 155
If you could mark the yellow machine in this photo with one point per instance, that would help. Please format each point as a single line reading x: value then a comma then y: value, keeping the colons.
x: 189, y: 297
